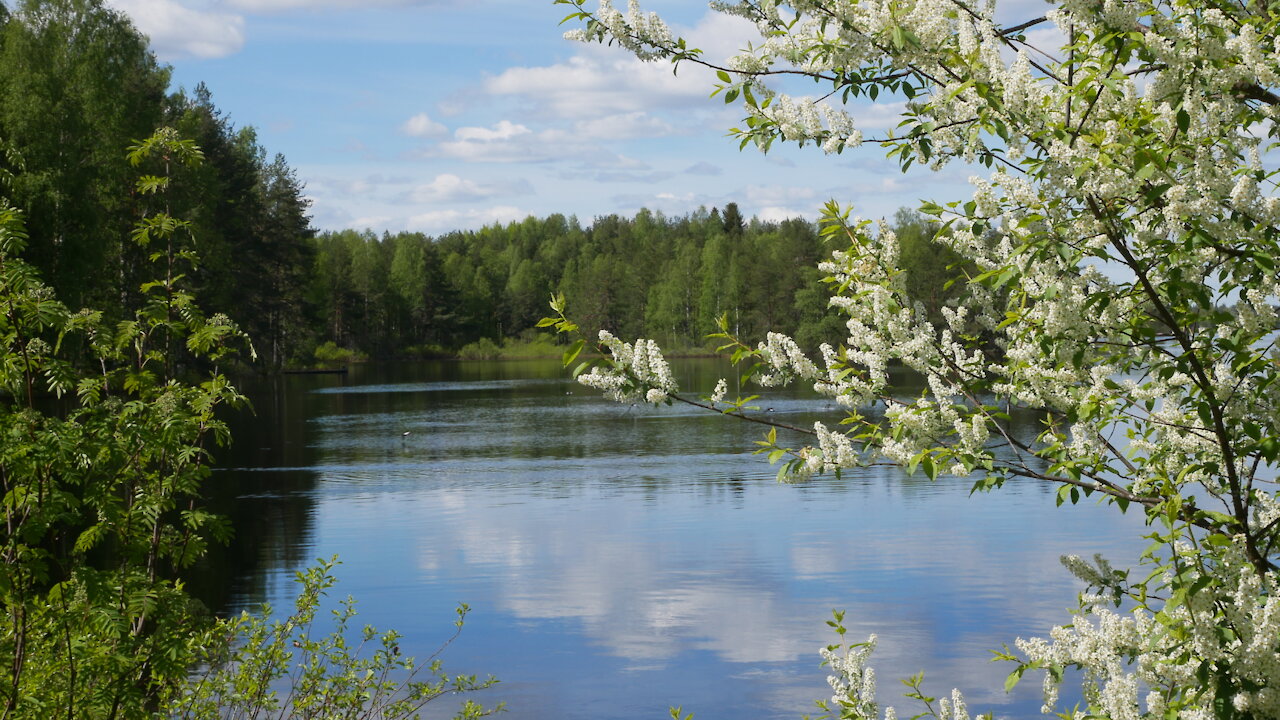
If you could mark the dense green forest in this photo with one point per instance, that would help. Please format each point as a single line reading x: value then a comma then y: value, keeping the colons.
x: 78, y: 87
x: 647, y: 275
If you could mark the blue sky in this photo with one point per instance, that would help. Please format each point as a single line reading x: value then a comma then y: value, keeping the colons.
x: 431, y: 116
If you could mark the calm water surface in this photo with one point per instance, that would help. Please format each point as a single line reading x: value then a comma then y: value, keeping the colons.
x: 621, y: 560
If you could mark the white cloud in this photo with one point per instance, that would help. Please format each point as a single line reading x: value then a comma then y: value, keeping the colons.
x: 877, y: 116
x: 508, y: 142
x: 585, y: 143
x: 348, y: 186
x: 778, y: 214
x: 195, y: 28
x: 504, y: 130
x: 600, y: 82
x: 421, y: 125
x: 1046, y: 40
x: 448, y: 188
x: 721, y: 36
x: 438, y: 221
x: 598, y: 85
x: 178, y: 31
x: 622, y: 126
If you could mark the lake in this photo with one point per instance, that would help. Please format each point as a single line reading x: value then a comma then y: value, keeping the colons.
x: 619, y: 560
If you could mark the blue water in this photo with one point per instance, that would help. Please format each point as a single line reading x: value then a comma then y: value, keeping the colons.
x: 619, y: 560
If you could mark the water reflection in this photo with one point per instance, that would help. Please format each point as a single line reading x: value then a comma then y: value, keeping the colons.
x: 620, y: 559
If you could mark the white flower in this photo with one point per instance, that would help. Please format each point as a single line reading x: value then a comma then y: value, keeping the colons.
x: 717, y: 396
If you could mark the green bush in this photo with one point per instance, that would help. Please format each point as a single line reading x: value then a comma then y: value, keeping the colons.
x: 482, y: 349
x: 331, y: 353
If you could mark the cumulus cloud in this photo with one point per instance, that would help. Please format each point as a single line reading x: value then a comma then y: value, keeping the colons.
x: 623, y: 126
x: 1047, y: 39
x: 448, y: 188
x: 421, y: 125
x: 504, y: 130
x: 721, y: 36
x: 778, y: 214
x: 438, y: 221
x: 504, y: 142
x: 597, y: 85
x: 178, y: 31
x: 600, y: 83
x: 585, y: 142
x: 508, y: 142
x: 197, y: 28
x: 367, y: 222
x: 878, y: 116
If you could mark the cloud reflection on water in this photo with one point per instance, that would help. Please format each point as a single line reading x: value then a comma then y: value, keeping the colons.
x: 689, y: 578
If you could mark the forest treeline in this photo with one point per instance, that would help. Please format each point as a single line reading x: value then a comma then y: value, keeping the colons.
x: 642, y: 276
x: 79, y: 87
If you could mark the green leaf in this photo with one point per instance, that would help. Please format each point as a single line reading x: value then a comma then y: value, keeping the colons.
x: 1012, y: 681
x: 572, y: 353
x: 930, y: 469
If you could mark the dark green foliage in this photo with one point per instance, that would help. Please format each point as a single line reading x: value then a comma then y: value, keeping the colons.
x: 252, y: 221
x: 928, y: 265
x: 77, y: 84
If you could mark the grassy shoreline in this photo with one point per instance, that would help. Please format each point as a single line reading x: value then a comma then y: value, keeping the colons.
x: 330, y: 355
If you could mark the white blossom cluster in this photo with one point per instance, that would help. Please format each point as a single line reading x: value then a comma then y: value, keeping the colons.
x: 853, y: 684
x: 1132, y: 662
x: 785, y: 360
x: 644, y: 34
x: 636, y: 372
x: 885, y: 327
x: 717, y: 395
x: 836, y: 449
x: 852, y: 681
